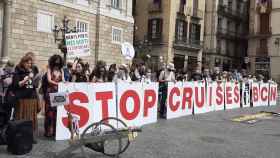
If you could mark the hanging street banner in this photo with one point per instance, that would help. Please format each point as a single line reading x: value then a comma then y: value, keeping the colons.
x: 77, y: 44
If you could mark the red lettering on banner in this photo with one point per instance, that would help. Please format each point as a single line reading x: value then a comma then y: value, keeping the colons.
x: 220, y: 95
x: 187, y: 98
x: 123, y: 106
x: 174, y: 107
x: 255, y: 91
x: 228, y: 95
x: 236, y: 94
x: 273, y: 93
x: 264, y: 94
x: 76, y: 109
x: 149, y: 103
x: 104, y: 97
x: 200, y: 103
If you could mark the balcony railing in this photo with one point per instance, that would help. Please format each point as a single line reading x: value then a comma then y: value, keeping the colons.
x: 156, y: 38
x: 185, y: 43
x: 259, y: 33
x: 198, y: 13
x: 155, y: 7
x: 225, y: 10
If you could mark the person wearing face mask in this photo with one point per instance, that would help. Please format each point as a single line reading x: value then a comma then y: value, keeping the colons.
x: 27, y: 106
x: 166, y: 75
x: 79, y: 71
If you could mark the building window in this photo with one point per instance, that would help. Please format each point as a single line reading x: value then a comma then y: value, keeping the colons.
x: 154, y: 29
x: 116, y: 4
x: 195, y: 33
x: 82, y: 26
x: 117, y: 34
x: 45, y: 22
x: 83, y: 2
x: 181, y: 30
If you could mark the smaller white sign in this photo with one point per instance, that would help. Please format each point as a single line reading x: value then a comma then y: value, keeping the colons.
x: 128, y: 51
x: 59, y: 99
x: 77, y: 44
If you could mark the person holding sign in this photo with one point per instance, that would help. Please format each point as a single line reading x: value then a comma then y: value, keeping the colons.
x: 79, y: 71
x: 23, y: 86
x: 54, y: 76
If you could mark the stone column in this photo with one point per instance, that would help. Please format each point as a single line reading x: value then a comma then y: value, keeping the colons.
x: 6, y: 30
x: 199, y: 60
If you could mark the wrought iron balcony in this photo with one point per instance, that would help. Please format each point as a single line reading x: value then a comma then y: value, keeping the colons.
x: 231, y: 13
x: 155, y: 7
x: 198, y: 13
x: 155, y: 38
x: 185, y: 43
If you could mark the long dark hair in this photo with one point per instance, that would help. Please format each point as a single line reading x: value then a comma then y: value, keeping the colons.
x: 53, y: 64
x: 97, y: 73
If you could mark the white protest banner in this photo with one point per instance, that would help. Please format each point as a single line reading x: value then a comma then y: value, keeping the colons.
x: 200, y: 102
x: 232, y: 95
x: 150, y: 91
x: 130, y: 103
x: 174, y: 100
x: 77, y: 44
x: 187, y: 98
x: 90, y: 103
x: 218, y: 95
x: 210, y: 95
x: 273, y: 94
x: 255, y: 94
x: 245, y: 100
x: 264, y: 94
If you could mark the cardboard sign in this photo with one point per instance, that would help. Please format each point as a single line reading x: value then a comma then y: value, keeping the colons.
x: 77, y: 44
x: 232, y: 95
x: 59, y: 99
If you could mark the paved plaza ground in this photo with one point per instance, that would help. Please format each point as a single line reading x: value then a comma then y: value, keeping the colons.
x: 211, y: 135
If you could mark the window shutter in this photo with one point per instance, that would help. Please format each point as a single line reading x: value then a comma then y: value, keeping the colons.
x: 185, y: 30
x: 159, y: 26
x: 198, y: 27
x: 150, y: 25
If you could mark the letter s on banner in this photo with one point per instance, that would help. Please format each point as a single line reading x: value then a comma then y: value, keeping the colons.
x: 218, y: 89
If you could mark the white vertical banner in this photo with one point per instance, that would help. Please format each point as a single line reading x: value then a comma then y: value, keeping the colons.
x: 255, y: 94
x: 187, y: 98
x: 232, y: 95
x: 80, y: 106
x: 264, y: 94
x: 200, y: 102
x: 174, y: 100
x: 245, y: 95
x: 150, y: 91
x: 218, y: 95
x: 273, y: 94
x: 210, y: 97
x: 130, y: 103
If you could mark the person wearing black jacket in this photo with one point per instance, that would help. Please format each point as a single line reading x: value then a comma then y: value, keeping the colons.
x: 23, y: 87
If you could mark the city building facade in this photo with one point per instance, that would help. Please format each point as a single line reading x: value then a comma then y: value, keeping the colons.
x: 264, y: 39
x: 226, y: 31
x: 27, y: 25
x: 172, y: 29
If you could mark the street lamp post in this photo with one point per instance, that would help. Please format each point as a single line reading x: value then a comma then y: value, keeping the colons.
x: 59, y: 36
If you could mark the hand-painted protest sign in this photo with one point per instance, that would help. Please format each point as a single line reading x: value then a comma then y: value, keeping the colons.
x: 174, y: 100
x: 77, y: 44
x: 232, y: 95
x: 255, y: 94
x: 200, y: 102
x: 273, y: 93
x: 264, y: 94
x: 219, y: 95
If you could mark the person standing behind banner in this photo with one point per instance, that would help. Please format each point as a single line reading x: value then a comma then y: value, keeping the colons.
x: 99, y: 74
x: 78, y: 72
x: 27, y: 106
x: 167, y: 75
x: 123, y: 74
x: 55, y: 75
x: 112, y: 73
